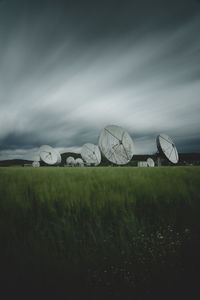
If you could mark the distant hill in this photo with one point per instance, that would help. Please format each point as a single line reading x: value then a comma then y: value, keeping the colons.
x: 192, y: 158
x: 184, y: 159
x: 14, y: 162
x: 22, y: 162
x: 67, y: 154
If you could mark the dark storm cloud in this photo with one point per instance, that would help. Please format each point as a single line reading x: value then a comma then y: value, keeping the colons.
x: 68, y: 68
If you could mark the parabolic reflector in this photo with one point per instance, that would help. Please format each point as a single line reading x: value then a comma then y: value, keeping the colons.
x: 167, y: 147
x: 91, y: 154
x: 116, y: 144
x: 70, y: 161
x: 35, y: 164
x: 79, y: 162
x: 150, y: 162
x: 49, y: 155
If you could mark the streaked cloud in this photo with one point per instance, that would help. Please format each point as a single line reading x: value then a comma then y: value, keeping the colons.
x: 61, y: 81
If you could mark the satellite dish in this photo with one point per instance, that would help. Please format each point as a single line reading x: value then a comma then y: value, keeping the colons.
x: 79, y: 162
x: 70, y: 161
x: 150, y: 162
x: 36, y: 164
x: 49, y: 155
x: 167, y: 148
x: 116, y: 144
x: 91, y: 154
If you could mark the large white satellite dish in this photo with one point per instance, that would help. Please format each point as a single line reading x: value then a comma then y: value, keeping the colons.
x: 70, y: 161
x: 150, y: 162
x: 167, y: 148
x: 79, y: 162
x: 49, y: 155
x: 35, y: 164
x: 91, y: 154
x: 116, y: 144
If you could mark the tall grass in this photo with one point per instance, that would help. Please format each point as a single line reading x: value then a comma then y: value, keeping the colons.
x: 111, y: 230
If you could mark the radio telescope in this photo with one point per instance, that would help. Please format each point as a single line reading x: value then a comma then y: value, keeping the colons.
x: 167, y: 148
x: 36, y: 164
x: 49, y: 155
x: 150, y: 162
x: 70, y: 161
x: 116, y: 144
x: 79, y: 162
x: 91, y: 154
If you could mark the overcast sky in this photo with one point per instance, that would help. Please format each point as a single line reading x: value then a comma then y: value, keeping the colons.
x: 68, y: 68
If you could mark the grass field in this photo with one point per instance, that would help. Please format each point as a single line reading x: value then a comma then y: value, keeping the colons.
x: 116, y: 233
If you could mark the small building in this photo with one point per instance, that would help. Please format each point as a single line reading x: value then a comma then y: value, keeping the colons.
x: 142, y: 164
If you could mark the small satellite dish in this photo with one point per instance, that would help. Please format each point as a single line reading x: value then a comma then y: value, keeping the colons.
x: 49, y: 155
x: 79, y: 162
x: 116, y: 144
x: 142, y: 164
x: 150, y: 162
x: 36, y: 164
x: 91, y: 154
x: 70, y: 161
x: 167, y: 148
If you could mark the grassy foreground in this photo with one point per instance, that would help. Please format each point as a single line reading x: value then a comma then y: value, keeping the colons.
x: 114, y: 233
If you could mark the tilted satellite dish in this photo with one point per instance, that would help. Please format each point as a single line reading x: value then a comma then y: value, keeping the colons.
x: 167, y: 148
x: 49, y: 155
x: 79, y: 162
x: 150, y: 162
x: 116, y: 144
x: 70, y: 161
x: 36, y: 164
x: 91, y: 154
